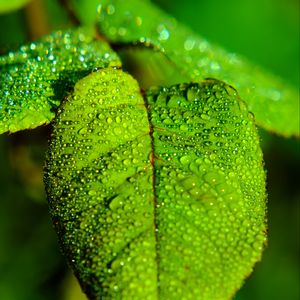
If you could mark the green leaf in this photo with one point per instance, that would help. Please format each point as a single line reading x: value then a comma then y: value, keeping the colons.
x: 36, y: 78
x: 162, y: 198
x: 272, y: 100
x: 85, y: 11
x: 8, y: 6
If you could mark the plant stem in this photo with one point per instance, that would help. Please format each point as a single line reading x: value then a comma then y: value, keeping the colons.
x: 36, y: 19
x: 68, y: 8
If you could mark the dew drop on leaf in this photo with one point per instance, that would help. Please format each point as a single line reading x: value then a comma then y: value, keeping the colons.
x: 154, y: 210
x: 35, y: 79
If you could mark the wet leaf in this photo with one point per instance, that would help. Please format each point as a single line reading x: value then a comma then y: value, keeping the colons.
x: 36, y: 78
x: 162, y: 198
x: 8, y: 6
x: 272, y: 100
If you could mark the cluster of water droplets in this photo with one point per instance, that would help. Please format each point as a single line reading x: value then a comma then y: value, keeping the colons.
x: 156, y: 197
x: 210, y: 189
x: 34, y: 79
x: 99, y: 182
x: 141, y: 23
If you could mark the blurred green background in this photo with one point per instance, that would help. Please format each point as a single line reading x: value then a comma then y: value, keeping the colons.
x: 31, y: 264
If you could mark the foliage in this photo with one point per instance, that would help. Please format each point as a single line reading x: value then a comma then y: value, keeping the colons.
x: 35, y: 79
x: 198, y: 139
x: 162, y: 198
x: 138, y: 22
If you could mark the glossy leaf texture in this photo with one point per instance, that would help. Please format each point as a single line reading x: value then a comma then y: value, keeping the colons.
x: 35, y: 79
x: 162, y: 198
x: 8, y: 6
x: 271, y: 99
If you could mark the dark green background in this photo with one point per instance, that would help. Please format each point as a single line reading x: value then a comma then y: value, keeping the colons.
x: 265, y: 31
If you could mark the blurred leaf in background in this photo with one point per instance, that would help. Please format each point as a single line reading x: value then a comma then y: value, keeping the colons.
x: 8, y: 6
x: 30, y: 261
x: 265, y: 31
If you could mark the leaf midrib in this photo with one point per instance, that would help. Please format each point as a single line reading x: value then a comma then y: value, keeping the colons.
x: 152, y: 161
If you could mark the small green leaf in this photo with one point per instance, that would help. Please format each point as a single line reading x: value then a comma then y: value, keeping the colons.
x: 34, y: 79
x: 161, y: 198
x: 10, y: 5
x: 272, y: 101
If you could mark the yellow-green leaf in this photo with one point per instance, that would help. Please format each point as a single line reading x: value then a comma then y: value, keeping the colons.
x: 10, y: 5
x: 273, y: 102
x: 161, y: 197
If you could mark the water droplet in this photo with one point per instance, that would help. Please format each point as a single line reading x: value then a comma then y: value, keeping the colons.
x: 185, y: 160
x: 189, y: 44
x: 164, y: 33
x: 110, y: 9
x: 205, y: 117
x: 92, y: 193
x: 82, y: 131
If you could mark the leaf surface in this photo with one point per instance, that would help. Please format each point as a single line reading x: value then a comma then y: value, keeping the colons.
x: 162, y: 198
x: 35, y: 79
x: 85, y: 11
x: 271, y: 99
x: 8, y: 6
